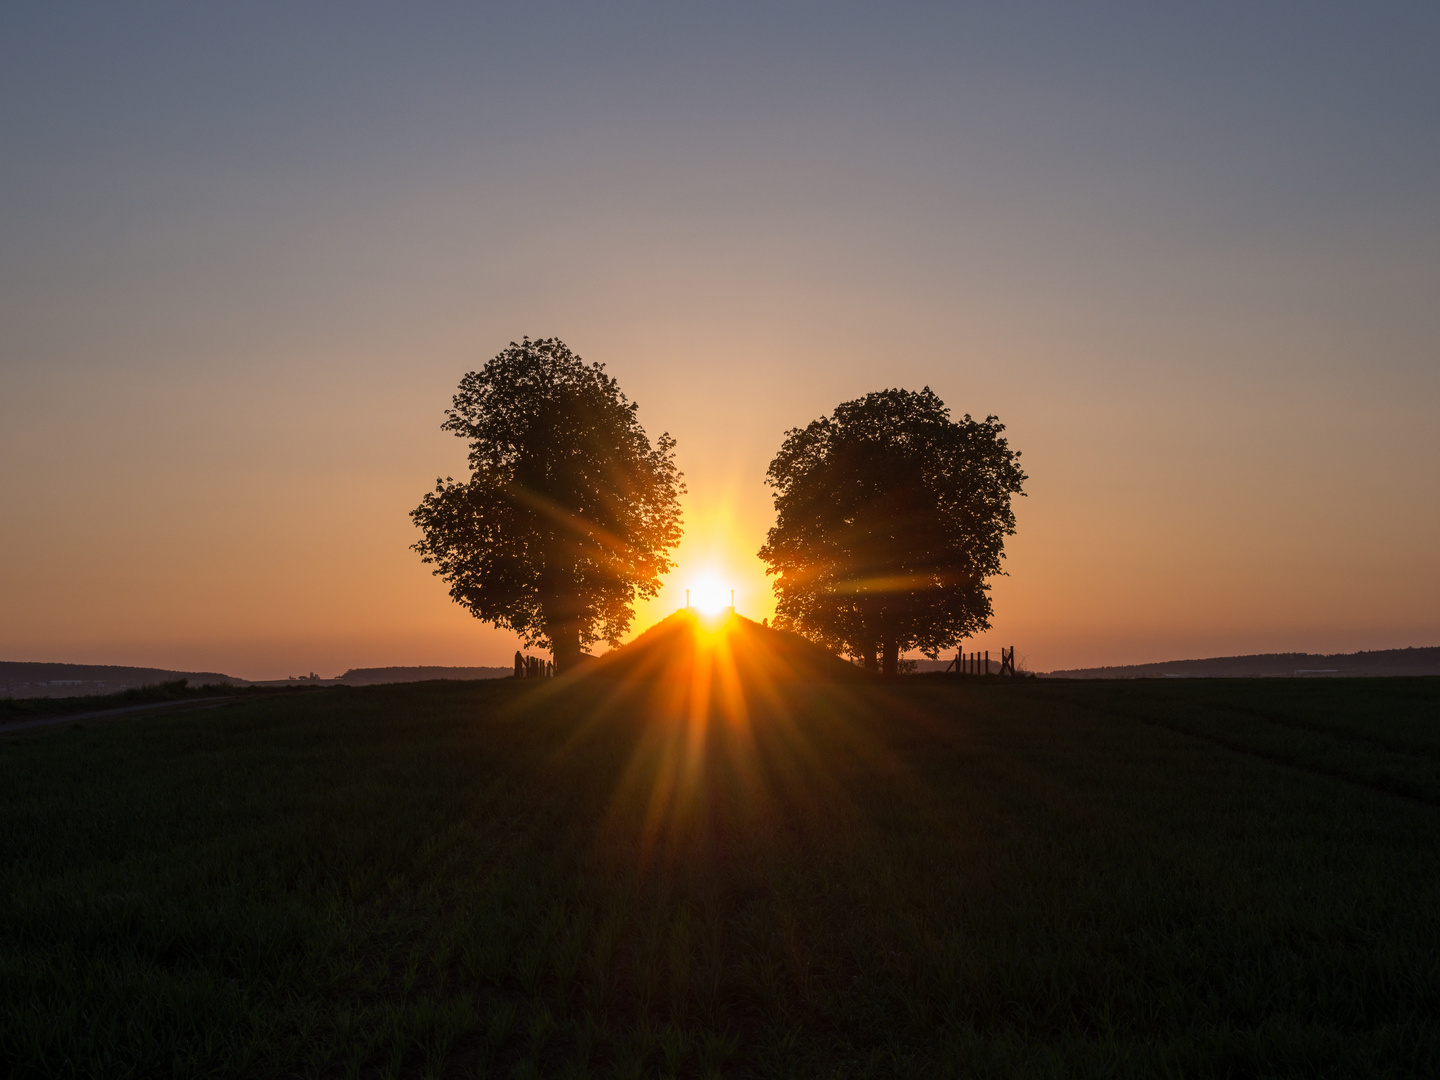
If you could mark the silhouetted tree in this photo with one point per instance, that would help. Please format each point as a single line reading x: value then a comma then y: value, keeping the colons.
x: 569, y: 513
x: 889, y: 519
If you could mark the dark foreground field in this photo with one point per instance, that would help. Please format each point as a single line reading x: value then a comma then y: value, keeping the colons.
x: 512, y: 879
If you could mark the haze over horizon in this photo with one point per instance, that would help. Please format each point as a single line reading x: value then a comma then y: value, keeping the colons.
x: 1189, y: 258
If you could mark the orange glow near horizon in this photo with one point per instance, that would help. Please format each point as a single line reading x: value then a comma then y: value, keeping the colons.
x: 726, y: 516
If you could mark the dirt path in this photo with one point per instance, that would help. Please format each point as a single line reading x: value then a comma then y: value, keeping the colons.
x: 105, y: 714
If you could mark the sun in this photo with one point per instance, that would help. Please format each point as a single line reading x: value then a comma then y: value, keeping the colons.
x: 708, y: 596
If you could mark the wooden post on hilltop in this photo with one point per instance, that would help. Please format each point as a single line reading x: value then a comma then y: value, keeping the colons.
x: 987, y: 661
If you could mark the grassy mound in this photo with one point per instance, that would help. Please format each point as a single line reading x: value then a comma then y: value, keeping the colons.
x: 730, y: 646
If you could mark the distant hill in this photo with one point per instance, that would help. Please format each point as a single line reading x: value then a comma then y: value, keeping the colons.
x: 26, y: 680
x: 1411, y: 661
x: 20, y: 679
x: 371, y: 676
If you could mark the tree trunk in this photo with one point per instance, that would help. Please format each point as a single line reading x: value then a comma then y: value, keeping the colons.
x: 872, y: 665
x: 565, y: 645
x: 561, y: 610
x: 892, y: 657
x: 869, y: 632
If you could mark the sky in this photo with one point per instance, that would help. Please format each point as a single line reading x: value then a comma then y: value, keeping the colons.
x: 1188, y: 254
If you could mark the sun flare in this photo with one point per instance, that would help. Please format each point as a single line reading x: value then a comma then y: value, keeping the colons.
x: 708, y: 596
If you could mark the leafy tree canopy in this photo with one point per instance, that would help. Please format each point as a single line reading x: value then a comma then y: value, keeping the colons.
x: 889, y: 519
x: 569, y: 512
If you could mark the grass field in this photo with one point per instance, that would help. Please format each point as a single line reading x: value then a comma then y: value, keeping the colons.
x: 936, y: 877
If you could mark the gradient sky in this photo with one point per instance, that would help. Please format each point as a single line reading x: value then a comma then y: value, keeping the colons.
x: 1189, y: 255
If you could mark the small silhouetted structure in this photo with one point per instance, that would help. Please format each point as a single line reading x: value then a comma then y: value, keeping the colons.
x: 533, y: 667
x: 978, y: 663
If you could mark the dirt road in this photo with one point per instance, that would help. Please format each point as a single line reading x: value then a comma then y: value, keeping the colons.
x: 17, y: 726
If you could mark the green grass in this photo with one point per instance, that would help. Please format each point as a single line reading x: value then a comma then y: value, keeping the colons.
x: 507, y: 879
